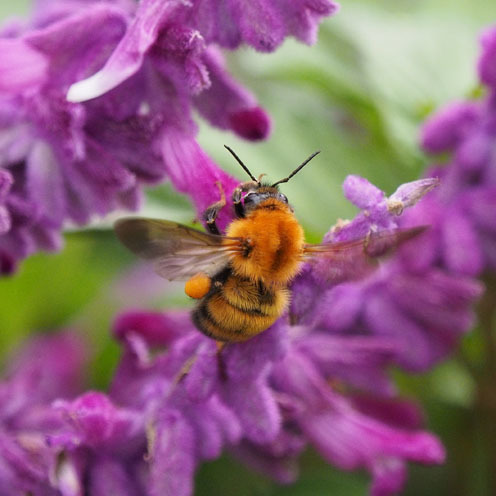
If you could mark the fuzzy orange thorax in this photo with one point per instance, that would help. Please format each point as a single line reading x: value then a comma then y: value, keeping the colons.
x: 274, y: 243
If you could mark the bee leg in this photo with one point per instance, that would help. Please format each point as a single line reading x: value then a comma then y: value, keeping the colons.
x: 211, y: 213
x: 183, y: 372
x: 221, y: 364
x: 239, y: 208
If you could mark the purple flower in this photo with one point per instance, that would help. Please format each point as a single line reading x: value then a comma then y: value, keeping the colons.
x: 147, y: 68
x: 267, y: 398
x: 49, y: 367
x: 420, y: 311
x: 317, y: 377
x: 346, y: 436
x: 60, y: 170
x: 185, y: 29
x: 462, y: 239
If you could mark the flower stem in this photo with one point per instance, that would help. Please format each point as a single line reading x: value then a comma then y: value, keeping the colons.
x: 485, y: 401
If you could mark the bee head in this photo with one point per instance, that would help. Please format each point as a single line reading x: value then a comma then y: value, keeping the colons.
x: 261, y: 193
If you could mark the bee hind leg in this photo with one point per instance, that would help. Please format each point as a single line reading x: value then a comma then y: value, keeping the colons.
x: 221, y: 364
x: 210, y: 214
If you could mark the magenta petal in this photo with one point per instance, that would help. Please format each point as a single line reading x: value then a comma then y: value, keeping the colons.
x: 475, y: 152
x: 207, y: 420
x: 256, y: 409
x: 359, y: 361
x: 87, y: 37
x: 202, y: 377
x: 226, y: 420
x: 461, y: 248
x: 128, y: 56
x: 227, y: 105
x: 49, y: 367
x: 15, y: 140
x: 157, y: 328
x: 487, y: 61
x: 249, y: 360
x: 173, y: 460
x: 340, y: 352
x: 45, y: 183
x: 447, y: 127
x: 177, y: 55
x: 415, y: 350
x: 111, y: 477
x: 389, y: 410
x: 481, y: 205
x: 97, y: 422
x: 423, y: 251
x: 5, y: 224
x: 361, y: 192
x: 277, y: 460
x: 21, y: 67
x: 216, y: 23
x: 24, y: 464
x: 259, y: 23
x: 6, y: 181
x: 350, y: 440
x: 251, y: 124
x: 339, y: 307
x: 389, y: 476
x: 443, y: 302
x: 408, y: 194
x: 192, y: 172
x: 302, y: 17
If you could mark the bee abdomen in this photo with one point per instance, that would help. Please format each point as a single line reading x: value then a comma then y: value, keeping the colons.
x: 239, y: 310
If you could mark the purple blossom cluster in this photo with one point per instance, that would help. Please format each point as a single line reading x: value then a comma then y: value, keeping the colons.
x: 420, y: 311
x: 462, y: 211
x: 49, y: 368
x: 97, y: 99
x: 176, y: 401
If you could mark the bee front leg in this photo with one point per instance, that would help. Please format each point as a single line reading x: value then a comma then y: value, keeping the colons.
x: 239, y: 208
x: 211, y: 212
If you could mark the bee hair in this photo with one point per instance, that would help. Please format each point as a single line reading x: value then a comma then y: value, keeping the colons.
x: 231, y: 151
x: 298, y: 169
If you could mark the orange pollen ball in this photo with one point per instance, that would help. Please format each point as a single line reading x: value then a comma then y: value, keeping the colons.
x: 197, y: 287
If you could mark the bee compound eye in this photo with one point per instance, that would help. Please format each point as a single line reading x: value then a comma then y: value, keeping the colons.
x: 283, y: 198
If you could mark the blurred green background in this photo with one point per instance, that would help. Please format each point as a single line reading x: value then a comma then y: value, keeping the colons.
x: 378, y: 69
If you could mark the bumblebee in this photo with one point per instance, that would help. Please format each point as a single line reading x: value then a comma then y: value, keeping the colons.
x: 242, y: 278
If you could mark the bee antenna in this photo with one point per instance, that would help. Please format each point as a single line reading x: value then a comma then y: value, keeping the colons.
x: 298, y: 169
x: 241, y: 163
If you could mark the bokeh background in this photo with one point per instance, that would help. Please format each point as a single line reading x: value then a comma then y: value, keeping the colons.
x: 359, y: 95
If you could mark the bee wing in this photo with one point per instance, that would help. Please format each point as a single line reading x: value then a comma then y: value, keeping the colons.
x: 353, y: 259
x: 178, y: 252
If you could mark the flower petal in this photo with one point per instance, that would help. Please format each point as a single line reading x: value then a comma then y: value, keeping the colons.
x: 228, y: 105
x: 447, y: 127
x: 128, y: 56
x: 487, y: 61
x: 361, y: 192
x: 194, y: 173
x: 78, y: 44
x: 173, y: 460
x: 21, y: 67
x: 461, y: 248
